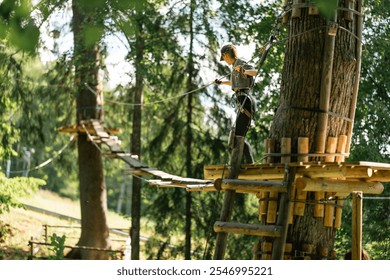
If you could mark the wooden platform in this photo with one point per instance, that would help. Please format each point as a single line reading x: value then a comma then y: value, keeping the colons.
x: 359, y: 175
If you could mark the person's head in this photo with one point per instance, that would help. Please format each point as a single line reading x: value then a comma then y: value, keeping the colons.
x: 229, y: 54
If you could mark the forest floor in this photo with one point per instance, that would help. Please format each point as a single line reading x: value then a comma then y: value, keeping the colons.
x: 19, y: 226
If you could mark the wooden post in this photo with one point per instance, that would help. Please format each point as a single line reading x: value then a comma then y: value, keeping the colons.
x: 313, y: 9
x: 341, y: 145
x: 339, y: 211
x: 352, y: 109
x: 349, y: 4
x: 266, y: 248
x: 284, y: 213
x: 357, y: 213
x: 331, y: 146
x: 285, y: 15
x: 296, y: 11
x: 285, y: 148
x: 303, y: 148
x: 227, y: 208
x: 329, y: 210
x: 326, y: 86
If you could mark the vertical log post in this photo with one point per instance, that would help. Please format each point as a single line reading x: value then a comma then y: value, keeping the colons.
x: 313, y: 9
x: 303, y: 148
x: 357, y: 224
x: 352, y: 109
x: 326, y: 86
x: 227, y: 208
x: 284, y: 213
x: 341, y: 145
x: 296, y: 11
x: 348, y: 15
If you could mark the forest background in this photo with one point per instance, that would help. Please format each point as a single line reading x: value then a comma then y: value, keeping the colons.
x: 37, y: 97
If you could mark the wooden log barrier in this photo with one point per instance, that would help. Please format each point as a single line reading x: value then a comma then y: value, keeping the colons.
x: 340, y: 186
x: 247, y: 229
x: 253, y: 186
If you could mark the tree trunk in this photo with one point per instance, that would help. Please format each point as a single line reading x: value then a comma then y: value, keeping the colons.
x: 190, y: 87
x: 93, y: 201
x: 136, y: 141
x: 316, y: 96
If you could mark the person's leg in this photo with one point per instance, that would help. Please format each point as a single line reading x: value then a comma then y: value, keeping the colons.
x: 243, y: 122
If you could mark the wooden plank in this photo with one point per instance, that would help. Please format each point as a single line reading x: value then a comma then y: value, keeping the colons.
x: 99, y: 130
x: 247, y: 229
x: 131, y: 161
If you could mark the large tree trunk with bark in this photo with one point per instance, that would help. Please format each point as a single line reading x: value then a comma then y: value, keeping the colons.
x: 320, y: 71
x: 136, y: 136
x: 93, y: 201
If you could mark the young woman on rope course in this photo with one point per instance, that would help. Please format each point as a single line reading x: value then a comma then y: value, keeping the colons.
x: 241, y: 81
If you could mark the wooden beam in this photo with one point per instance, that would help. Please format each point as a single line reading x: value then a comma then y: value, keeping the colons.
x: 249, y: 185
x: 247, y: 229
x: 344, y: 186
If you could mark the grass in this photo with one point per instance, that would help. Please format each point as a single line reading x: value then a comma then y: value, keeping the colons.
x: 19, y: 225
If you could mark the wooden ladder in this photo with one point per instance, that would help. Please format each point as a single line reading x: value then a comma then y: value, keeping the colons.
x: 278, y: 232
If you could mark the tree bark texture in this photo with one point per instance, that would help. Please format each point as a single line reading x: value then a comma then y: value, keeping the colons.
x: 93, y: 201
x: 136, y: 139
x: 300, y: 95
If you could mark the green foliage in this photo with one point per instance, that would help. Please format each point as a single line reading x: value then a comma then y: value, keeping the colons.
x: 18, y: 26
x: 11, y: 190
x: 327, y: 7
x: 57, y: 244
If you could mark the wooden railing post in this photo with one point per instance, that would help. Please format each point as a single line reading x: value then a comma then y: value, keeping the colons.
x: 357, y: 222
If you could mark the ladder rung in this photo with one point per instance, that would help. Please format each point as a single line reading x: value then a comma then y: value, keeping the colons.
x: 247, y: 229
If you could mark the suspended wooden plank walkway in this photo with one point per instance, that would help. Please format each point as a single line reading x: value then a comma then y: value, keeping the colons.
x: 101, y: 135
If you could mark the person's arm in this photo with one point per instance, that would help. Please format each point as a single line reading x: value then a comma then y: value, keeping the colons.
x: 218, y: 82
x: 249, y: 72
